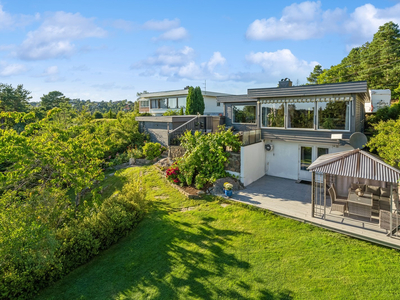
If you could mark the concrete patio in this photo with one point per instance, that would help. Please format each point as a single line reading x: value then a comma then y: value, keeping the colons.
x: 290, y: 199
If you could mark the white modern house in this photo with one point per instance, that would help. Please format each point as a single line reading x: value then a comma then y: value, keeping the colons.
x: 158, y: 103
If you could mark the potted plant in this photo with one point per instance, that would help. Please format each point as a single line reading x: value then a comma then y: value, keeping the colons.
x: 228, y: 189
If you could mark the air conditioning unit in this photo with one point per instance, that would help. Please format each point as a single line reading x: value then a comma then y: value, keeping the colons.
x: 269, y: 147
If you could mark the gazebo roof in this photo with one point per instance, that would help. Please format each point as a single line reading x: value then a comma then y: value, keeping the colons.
x: 355, y: 163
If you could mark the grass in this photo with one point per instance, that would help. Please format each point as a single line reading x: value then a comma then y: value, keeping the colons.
x: 236, y: 252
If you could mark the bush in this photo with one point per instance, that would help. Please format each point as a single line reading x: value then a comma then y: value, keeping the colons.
x: 116, y: 216
x: 36, y: 255
x: 98, y: 115
x: 205, y: 156
x: 171, y: 112
x: 134, y: 153
x: 152, y: 150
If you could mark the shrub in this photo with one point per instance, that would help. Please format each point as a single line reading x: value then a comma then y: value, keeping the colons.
x: 134, y: 153
x: 205, y: 156
x: 171, y: 112
x: 152, y: 150
x: 98, y: 115
x: 34, y: 256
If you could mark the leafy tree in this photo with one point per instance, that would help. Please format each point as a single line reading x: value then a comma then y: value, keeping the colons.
x: 98, y: 115
x: 312, y: 79
x: 52, y: 100
x: 205, y: 156
x: 14, y: 99
x: 110, y: 115
x: 181, y: 113
x: 136, y: 106
x: 377, y: 62
x: 387, y: 148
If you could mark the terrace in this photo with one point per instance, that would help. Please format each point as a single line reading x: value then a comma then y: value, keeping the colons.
x: 368, y: 217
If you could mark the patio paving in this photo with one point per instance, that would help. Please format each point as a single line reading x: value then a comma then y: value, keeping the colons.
x: 290, y: 199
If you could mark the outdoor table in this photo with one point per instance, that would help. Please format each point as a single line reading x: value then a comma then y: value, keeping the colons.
x: 359, y: 205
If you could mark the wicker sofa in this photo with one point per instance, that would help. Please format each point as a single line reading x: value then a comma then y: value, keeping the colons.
x: 380, y: 195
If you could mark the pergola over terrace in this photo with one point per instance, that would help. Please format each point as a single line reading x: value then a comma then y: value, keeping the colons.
x: 361, y: 185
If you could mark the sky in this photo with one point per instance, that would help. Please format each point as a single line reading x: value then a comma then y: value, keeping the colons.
x: 110, y: 50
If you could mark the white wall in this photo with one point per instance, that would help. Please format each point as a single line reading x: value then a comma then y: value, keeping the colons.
x: 283, y: 161
x: 252, y: 163
x: 211, y: 106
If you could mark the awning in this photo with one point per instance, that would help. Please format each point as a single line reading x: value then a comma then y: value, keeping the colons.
x: 355, y: 163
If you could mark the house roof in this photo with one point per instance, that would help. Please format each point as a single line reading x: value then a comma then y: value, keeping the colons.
x: 235, y: 98
x: 355, y: 163
x: 183, y: 92
x: 312, y: 89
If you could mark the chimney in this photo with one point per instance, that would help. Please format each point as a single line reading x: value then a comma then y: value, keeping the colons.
x: 285, y: 83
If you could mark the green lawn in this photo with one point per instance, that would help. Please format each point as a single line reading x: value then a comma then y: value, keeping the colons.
x: 236, y: 252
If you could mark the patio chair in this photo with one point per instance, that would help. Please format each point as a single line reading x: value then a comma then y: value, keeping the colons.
x: 384, y: 221
x: 336, y: 204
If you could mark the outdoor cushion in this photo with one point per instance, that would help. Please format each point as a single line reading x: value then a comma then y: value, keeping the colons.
x: 355, y: 186
x: 375, y: 190
x: 385, y: 192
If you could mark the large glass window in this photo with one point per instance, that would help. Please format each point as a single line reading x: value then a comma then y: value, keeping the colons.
x: 244, y: 113
x: 154, y: 103
x: 322, y: 151
x: 273, y: 115
x: 301, y: 115
x: 172, y: 102
x: 333, y: 115
x: 144, y: 103
x: 163, y: 103
x: 181, y: 102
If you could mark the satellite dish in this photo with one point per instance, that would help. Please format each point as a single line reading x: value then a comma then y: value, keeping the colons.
x: 358, y: 140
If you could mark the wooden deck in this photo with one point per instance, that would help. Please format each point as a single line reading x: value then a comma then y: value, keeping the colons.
x: 290, y: 199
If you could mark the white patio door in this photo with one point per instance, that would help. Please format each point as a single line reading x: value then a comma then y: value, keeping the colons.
x: 307, y: 154
x: 306, y: 157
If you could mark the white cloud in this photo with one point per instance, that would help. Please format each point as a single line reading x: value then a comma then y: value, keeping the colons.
x: 54, y: 38
x: 366, y: 19
x: 7, y: 69
x: 172, y: 29
x: 174, y: 64
x: 175, y: 34
x: 307, y: 20
x: 8, y: 21
x: 298, y: 22
x: 275, y: 65
x: 215, y: 60
x: 52, y: 74
x: 162, y: 25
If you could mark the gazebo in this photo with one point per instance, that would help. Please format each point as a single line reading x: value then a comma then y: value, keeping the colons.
x: 360, y: 185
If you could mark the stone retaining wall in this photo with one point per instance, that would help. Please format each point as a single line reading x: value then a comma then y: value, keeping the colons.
x: 233, y: 163
x: 175, y: 151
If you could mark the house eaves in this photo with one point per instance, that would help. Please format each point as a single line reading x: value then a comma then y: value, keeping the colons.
x: 309, y: 90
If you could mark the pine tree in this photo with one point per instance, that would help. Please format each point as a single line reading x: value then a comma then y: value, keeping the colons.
x: 190, y: 102
x: 199, y: 100
x: 312, y: 79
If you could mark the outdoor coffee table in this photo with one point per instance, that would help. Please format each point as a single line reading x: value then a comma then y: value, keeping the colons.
x: 359, y: 205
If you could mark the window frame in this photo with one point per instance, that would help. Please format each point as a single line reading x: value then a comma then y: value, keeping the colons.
x: 284, y: 115
x: 350, y: 105
x: 255, y: 114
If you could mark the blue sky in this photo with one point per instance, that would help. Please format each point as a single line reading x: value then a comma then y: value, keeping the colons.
x: 110, y: 50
